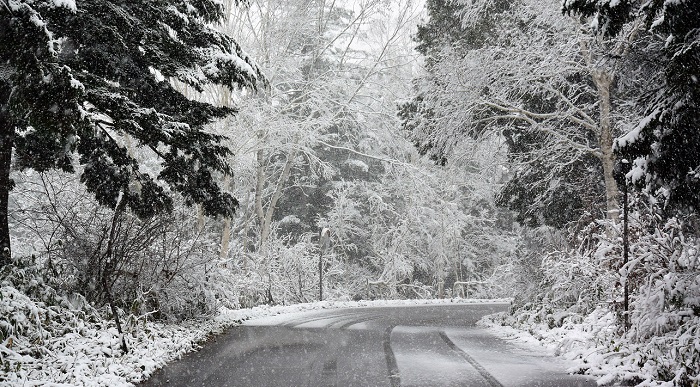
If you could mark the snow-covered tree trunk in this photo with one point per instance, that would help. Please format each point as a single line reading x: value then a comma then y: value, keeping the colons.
x: 259, y: 186
x: 110, y: 267
x: 603, y: 79
x: 225, y: 239
x: 266, y: 220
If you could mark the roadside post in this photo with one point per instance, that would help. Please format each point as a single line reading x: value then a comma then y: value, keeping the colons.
x: 325, y: 243
x: 620, y: 174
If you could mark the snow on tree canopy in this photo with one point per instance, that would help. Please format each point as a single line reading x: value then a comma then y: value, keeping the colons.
x: 635, y: 134
x: 358, y: 164
x: 122, y: 45
x: 69, y: 4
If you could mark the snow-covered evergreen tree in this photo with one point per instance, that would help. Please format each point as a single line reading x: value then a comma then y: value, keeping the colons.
x: 83, y: 82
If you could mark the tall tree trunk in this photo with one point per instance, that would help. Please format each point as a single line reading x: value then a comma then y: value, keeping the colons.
x: 110, y: 267
x: 7, y: 137
x: 260, y: 185
x: 200, y: 218
x: 265, y: 215
x: 284, y: 176
x: 225, y: 239
x: 603, y: 79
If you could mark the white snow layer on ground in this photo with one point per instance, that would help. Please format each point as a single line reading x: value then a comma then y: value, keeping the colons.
x: 588, y: 347
x: 91, y: 355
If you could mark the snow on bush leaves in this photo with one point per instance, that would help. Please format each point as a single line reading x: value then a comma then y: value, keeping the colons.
x: 47, y: 339
x: 579, y: 314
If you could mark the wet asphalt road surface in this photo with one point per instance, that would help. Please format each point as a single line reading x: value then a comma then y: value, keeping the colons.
x: 434, y: 345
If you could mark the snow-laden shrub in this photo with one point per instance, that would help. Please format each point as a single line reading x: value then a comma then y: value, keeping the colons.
x: 50, y: 338
x: 295, y: 269
x: 165, y: 267
x: 285, y: 271
x: 522, y: 277
x: 282, y: 272
x: 665, y: 308
x: 576, y: 281
x: 662, y: 344
x: 579, y: 309
x: 32, y: 313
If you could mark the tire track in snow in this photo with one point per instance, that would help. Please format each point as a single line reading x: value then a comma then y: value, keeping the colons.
x: 482, y: 371
x: 392, y: 367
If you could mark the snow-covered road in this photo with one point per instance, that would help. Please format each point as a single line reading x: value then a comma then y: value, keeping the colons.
x: 430, y: 345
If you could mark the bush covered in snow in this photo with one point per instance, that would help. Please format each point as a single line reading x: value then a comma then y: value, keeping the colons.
x: 47, y: 338
x: 167, y: 265
x: 579, y: 311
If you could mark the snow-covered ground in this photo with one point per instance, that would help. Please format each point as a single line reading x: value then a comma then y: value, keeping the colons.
x: 566, y: 342
x: 88, y: 352
x: 591, y: 347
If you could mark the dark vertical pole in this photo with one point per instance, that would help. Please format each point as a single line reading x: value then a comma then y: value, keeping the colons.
x: 5, y: 187
x: 325, y: 243
x: 625, y: 259
x: 7, y: 134
x: 320, y: 276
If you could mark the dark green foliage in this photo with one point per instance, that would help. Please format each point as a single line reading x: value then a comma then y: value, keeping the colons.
x: 558, y: 203
x: 443, y: 28
x: 447, y: 28
x: 309, y: 194
x: 670, y: 137
x: 667, y: 139
x: 610, y: 19
x: 92, y: 80
x: 416, y: 120
x: 536, y: 192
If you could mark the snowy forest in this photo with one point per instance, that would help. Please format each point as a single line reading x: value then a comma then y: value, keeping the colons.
x: 162, y: 162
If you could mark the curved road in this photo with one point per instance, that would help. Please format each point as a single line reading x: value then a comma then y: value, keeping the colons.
x: 432, y: 345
